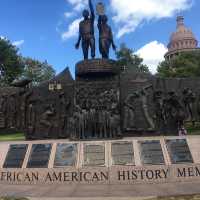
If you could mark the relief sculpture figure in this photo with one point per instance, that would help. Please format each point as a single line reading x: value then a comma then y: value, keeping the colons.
x: 97, y: 113
x: 174, y: 109
x: 189, y: 98
x: 46, y: 119
x: 145, y: 107
x: 129, y: 111
x: 12, y: 111
x: 160, y: 118
x: 3, y: 106
x: 63, y: 115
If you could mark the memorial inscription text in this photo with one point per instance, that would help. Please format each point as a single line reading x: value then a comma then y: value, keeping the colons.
x: 99, y: 176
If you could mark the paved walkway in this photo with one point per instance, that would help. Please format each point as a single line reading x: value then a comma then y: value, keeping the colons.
x: 103, y: 191
x: 194, y: 197
x: 97, y: 198
x: 189, y: 197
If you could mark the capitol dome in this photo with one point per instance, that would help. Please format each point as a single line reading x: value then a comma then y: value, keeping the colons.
x: 181, y: 40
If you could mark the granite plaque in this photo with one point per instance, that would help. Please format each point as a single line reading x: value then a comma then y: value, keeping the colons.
x: 39, y: 156
x: 151, y: 153
x: 66, y: 155
x: 122, y: 153
x: 179, y: 151
x: 94, y: 155
x: 15, y: 156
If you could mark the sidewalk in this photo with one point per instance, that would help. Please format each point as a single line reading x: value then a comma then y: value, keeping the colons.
x: 125, y: 192
x: 194, y: 197
x: 100, y: 198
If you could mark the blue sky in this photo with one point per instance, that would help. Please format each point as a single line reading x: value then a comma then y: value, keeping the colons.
x: 47, y: 29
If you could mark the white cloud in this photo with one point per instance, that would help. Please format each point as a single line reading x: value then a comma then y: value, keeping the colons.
x: 152, y: 53
x: 72, y: 30
x: 2, y: 37
x: 78, y: 4
x: 18, y: 43
x: 68, y: 14
x: 129, y: 14
x: 15, y: 43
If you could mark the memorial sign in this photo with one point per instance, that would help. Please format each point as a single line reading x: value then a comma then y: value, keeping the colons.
x: 94, y: 155
x: 179, y: 151
x: 108, y: 162
x: 15, y: 156
x: 151, y: 153
x: 39, y: 157
x: 66, y: 155
x: 122, y: 153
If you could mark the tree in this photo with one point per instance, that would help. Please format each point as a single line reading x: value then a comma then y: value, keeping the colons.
x: 37, y: 71
x: 187, y: 64
x: 128, y: 60
x: 11, y: 66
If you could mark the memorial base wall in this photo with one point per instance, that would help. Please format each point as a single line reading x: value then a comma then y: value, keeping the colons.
x: 115, y: 162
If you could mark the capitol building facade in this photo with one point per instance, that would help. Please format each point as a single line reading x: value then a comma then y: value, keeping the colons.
x: 182, y: 40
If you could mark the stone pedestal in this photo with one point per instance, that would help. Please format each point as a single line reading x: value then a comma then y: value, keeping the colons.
x: 96, y: 67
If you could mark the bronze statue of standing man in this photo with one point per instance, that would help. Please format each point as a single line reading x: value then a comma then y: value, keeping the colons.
x: 86, y: 32
x: 105, y: 36
x: 105, y: 32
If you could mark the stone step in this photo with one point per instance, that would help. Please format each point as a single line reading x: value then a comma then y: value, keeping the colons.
x: 96, y: 198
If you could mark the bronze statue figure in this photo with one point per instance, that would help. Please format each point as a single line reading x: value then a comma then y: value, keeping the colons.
x: 86, y: 32
x: 3, y: 113
x: 105, y: 37
x: 189, y: 98
x: 46, y: 119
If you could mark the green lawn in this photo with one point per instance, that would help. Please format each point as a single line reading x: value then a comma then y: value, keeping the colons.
x: 12, y: 137
x: 192, y: 130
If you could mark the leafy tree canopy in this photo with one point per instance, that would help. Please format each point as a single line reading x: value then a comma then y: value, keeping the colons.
x: 11, y: 66
x: 187, y: 64
x: 128, y: 60
x: 37, y: 71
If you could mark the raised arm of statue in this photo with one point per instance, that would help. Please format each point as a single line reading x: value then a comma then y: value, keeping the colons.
x: 112, y: 40
x: 79, y: 40
x: 91, y: 10
x: 99, y: 22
